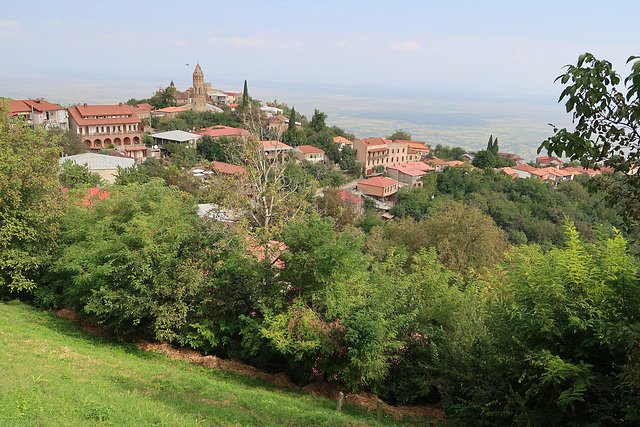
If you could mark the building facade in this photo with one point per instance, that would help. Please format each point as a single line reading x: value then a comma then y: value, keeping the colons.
x: 373, y: 152
x: 105, y: 126
x: 309, y: 153
x: 40, y: 113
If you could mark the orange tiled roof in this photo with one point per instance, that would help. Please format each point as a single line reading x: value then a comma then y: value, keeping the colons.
x: 513, y: 174
x: 171, y: 110
x: 227, y: 168
x: 273, y: 145
x: 26, y: 106
x: 374, y: 141
x: 349, y: 197
x: 413, y: 169
x: 379, y: 181
x: 545, y: 160
x: 145, y: 106
x: 309, y: 149
x: 103, y: 114
x: 531, y: 170
x: 557, y: 172
x: 217, y: 131
x: 583, y: 171
x: 341, y: 140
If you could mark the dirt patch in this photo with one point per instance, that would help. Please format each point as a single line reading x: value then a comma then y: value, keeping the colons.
x: 327, y: 390
x: 213, y: 362
x: 369, y: 401
x: 86, y: 324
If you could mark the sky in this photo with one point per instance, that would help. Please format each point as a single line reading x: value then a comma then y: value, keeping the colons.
x: 433, y: 67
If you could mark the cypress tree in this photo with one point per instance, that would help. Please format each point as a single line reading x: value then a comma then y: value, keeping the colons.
x: 245, y: 95
x: 292, y: 120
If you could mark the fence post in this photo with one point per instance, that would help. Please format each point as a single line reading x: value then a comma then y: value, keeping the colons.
x: 379, y: 410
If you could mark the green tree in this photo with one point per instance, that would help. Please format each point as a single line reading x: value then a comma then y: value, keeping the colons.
x: 74, y: 176
x: 245, y: 96
x: 348, y: 159
x: 30, y: 202
x: 489, y: 158
x: 318, y: 121
x: 292, y: 120
x: 566, y: 331
x: 221, y: 149
x: 607, y: 128
x: 131, y: 260
x: 399, y: 134
x: 344, y: 212
x: 164, y: 98
x: 294, y: 136
x: 69, y: 141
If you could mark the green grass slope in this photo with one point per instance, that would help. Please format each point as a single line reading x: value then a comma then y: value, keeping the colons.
x: 53, y: 373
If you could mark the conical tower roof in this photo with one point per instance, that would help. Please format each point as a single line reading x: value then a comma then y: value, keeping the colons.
x: 198, y: 71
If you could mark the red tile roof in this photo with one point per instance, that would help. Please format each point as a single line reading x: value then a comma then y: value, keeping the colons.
x: 513, y: 174
x: 92, y: 192
x: 546, y: 160
x: 103, y: 114
x: 349, y: 197
x: 374, y: 141
x: 171, y: 110
x: 581, y: 170
x: 227, y: 168
x: 342, y: 140
x: 557, y: 172
x: 145, y: 106
x: 217, y: 131
x: 413, y: 169
x: 533, y: 171
x: 379, y: 181
x: 26, y: 106
x: 274, y: 145
x: 309, y: 149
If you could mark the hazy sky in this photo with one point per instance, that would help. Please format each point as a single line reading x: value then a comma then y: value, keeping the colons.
x: 77, y: 51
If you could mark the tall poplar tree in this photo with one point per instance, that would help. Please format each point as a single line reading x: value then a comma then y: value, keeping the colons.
x: 245, y: 95
x: 292, y: 119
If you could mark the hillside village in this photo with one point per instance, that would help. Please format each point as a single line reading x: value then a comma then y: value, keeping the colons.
x: 384, y: 166
x: 489, y: 289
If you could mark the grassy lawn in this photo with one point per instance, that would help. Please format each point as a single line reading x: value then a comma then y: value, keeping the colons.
x: 53, y: 373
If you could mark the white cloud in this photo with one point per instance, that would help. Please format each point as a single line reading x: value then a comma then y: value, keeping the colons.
x: 8, y: 28
x: 179, y: 42
x: 520, y: 57
x: 249, y: 42
x: 411, y: 46
x: 343, y: 43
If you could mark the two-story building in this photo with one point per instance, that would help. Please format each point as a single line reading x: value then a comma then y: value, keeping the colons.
x: 309, y: 153
x: 379, y: 187
x: 103, y: 126
x: 275, y: 151
x: 373, y: 152
x: 410, y: 173
x: 40, y: 113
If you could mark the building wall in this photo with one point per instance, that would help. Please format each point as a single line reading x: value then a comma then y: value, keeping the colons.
x: 392, y: 154
x: 378, y: 192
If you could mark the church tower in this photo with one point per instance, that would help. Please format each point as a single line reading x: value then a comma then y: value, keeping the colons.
x: 198, y: 97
